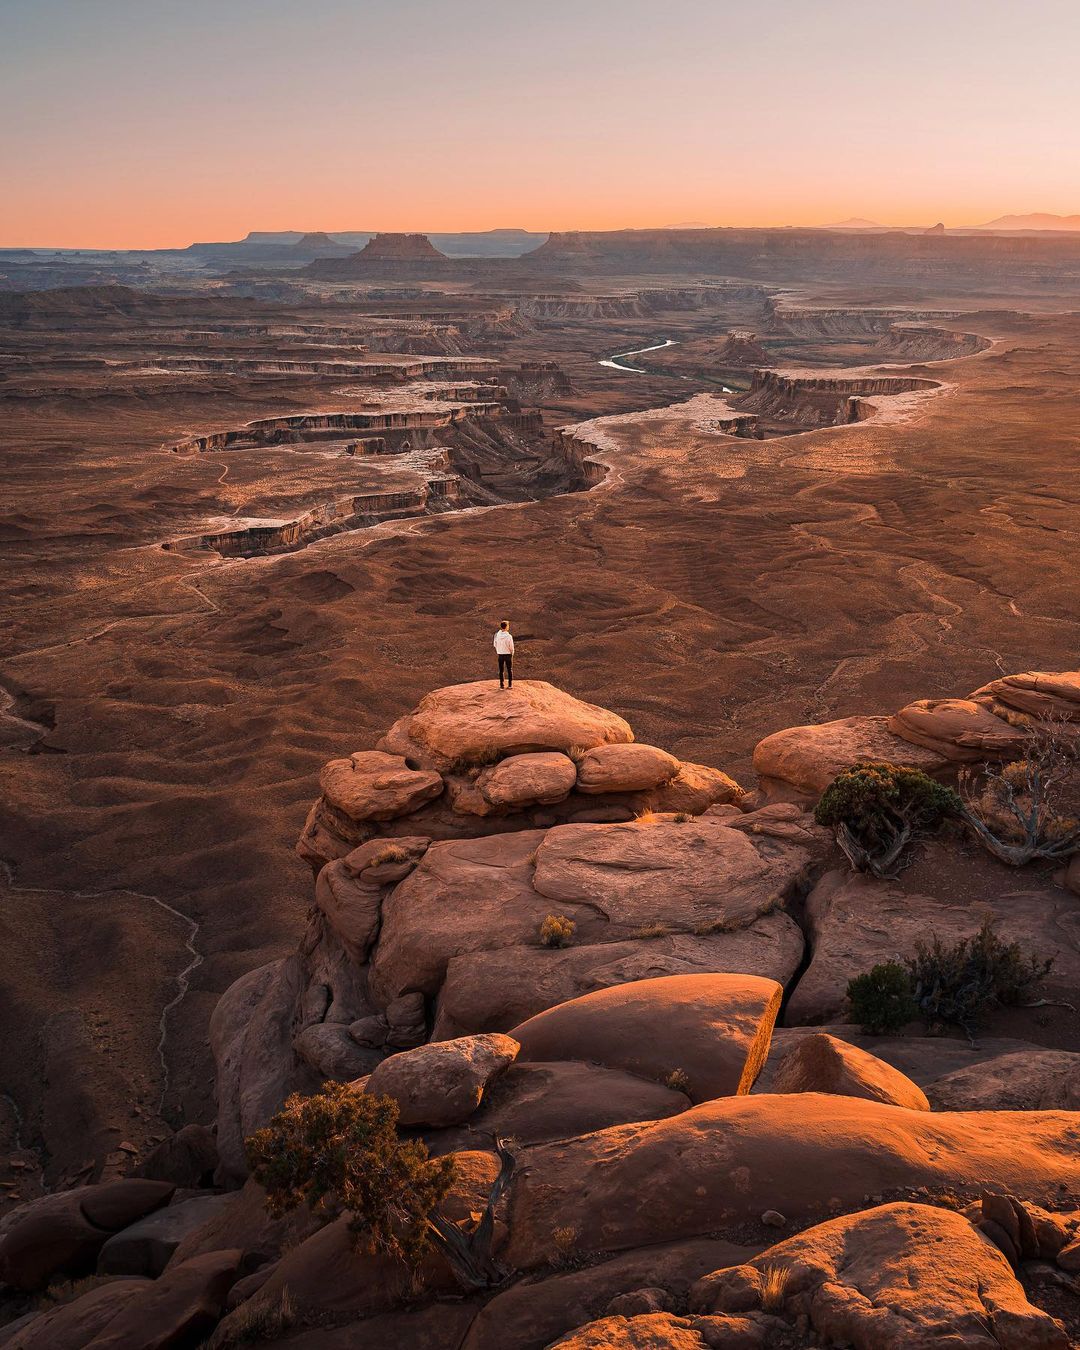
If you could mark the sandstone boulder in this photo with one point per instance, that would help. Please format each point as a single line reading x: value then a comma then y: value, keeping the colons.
x: 728, y: 1161
x: 536, y: 779
x: 625, y: 768
x: 181, y: 1308
x: 856, y: 922
x: 809, y: 758
x: 332, y: 1053
x: 251, y: 1040
x: 74, y: 1325
x: 64, y: 1232
x: 531, y: 1315
x: 476, y: 723
x: 243, y: 1222
x: 959, y: 729
x: 822, y: 1063
x: 710, y: 1031
x: 146, y: 1246
x: 892, y: 1278
x: 666, y: 1331
x: 442, y: 1083
x: 1029, y: 1080
x: 187, y: 1158
x: 485, y: 991
x: 371, y: 785
x: 695, y: 788
x: 350, y: 890
x: 922, y: 1059
x: 615, y: 882
x: 531, y: 1103
x: 1034, y: 694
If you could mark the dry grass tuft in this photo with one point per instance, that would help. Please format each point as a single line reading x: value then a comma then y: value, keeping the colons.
x: 253, y: 1322
x: 678, y: 1081
x: 652, y: 930
x: 774, y: 1282
x: 557, y: 931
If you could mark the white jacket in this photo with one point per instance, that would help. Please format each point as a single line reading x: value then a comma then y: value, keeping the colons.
x: 504, y: 643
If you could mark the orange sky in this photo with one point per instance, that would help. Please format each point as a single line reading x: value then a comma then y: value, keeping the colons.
x: 145, y: 123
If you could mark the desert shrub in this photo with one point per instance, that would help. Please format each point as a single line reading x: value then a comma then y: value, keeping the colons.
x: 339, y: 1150
x: 557, y: 931
x: 678, y: 1081
x: 683, y: 817
x: 1029, y: 808
x: 877, y: 809
x: 960, y: 983
x: 652, y: 930
x: 774, y: 1283
x: 882, y: 1000
x: 389, y: 853
x: 956, y: 984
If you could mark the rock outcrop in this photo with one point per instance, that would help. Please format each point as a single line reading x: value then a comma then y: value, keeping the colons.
x: 473, y: 759
x: 901, y: 1275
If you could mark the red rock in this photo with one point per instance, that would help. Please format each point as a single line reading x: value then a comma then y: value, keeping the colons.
x: 73, y: 1326
x: 180, y: 1308
x: 470, y: 723
x: 625, y: 768
x: 809, y: 758
x: 536, y: 779
x: 957, y: 728
x: 822, y: 1063
x: 146, y: 1246
x: 442, y: 1083
x: 531, y: 1103
x: 532, y: 1314
x: 1033, y: 694
x: 1028, y: 1080
x: 370, y: 785
x: 713, y: 1028
x: 484, y: 991
x: 350, y: 890
x: 665, y: 1331
x: 729, y: 1160
x: 893, y: 1278
x: 64, y: 1232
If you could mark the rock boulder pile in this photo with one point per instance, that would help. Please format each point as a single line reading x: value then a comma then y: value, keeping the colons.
x: 626, y: 975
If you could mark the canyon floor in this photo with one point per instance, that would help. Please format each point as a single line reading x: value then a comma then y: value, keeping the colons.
x: 242, y: 537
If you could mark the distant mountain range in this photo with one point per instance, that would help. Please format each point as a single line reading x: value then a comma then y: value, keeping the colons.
x: 1036, y: 220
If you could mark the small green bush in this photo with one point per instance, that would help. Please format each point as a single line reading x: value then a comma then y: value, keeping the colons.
x: 882, y: 1000
x: 876, y: 809
x: 557, y: 931
x: 678, y: 1081
x: 339, y: 1150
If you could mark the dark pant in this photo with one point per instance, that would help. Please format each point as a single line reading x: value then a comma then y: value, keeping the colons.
x: 506, y: 663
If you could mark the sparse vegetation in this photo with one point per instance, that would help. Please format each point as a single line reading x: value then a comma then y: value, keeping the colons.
x: 877, y: 809
x: 953, y: 984
x: 882, y: 1000
x: 721, y: 925
x: 678, y: 1081
x: 389, y: 853
x: 339, y: 1150
x: 683, y: 817
x: 958, y: 984
x: 652, y: 930
x: 253, y: 1322
x: 564, y: 1255
x: 1029, y: 808
x: 774, y: 1283
x: 557, y: 931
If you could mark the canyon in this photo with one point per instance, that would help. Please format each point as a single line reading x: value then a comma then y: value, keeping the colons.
x: 266, y: 823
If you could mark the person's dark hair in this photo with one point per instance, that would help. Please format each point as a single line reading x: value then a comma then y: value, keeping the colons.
x: 504, y: 623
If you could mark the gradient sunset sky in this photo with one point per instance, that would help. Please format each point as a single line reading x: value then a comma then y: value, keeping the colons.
x: 152, y: 123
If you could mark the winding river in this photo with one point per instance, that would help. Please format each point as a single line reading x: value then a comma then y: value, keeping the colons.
x: 618, y: 361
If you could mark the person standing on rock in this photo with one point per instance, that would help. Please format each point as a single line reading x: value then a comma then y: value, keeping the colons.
x: 504, y: 649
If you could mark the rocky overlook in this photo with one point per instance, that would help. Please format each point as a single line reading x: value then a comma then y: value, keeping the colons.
x: 612, y: 987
